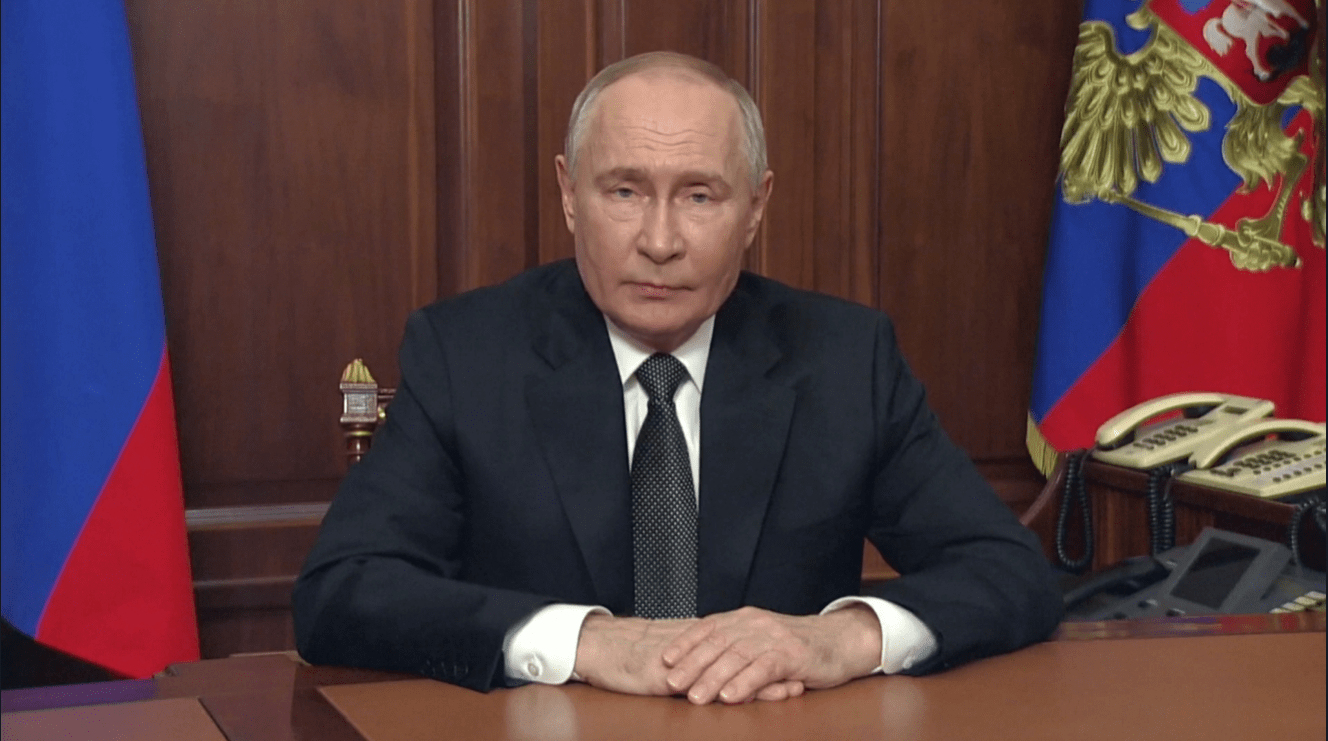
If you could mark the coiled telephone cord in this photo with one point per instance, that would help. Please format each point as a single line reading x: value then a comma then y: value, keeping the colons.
x: 1074, y: 494
x: 1319, y: 509
x: 1161, y: 510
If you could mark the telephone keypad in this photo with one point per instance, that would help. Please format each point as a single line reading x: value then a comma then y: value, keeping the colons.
x: 1160, y: 438
x: 1309, y: 601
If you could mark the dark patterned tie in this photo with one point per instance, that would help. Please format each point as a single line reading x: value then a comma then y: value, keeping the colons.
x: 663, y: 500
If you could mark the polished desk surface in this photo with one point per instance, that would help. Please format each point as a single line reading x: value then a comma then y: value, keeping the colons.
x: 1233, y: 677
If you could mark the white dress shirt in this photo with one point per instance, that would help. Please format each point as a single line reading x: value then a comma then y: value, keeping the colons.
x: 542, y: 648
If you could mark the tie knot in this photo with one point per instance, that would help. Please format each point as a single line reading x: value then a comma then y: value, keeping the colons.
x: 660, y: 375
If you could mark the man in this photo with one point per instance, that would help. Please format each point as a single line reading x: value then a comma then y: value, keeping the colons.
x: 652, y: 433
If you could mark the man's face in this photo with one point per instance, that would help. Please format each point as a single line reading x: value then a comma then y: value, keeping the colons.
x: 661, y: 204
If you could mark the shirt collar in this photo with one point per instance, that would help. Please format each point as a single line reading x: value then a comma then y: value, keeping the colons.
x: 693, y: 354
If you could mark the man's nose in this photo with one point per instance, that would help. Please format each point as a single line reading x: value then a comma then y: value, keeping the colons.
x: 660, y: 239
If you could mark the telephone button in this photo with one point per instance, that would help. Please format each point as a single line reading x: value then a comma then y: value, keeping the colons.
x: 1316, y: 595
x: 1305, y: 600
x: 1145, y: 604
x: 1174, y: 612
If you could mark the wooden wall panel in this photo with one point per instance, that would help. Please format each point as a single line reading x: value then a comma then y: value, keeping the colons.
x: 817, y: 83
x: 244, y: 564
x: 714, y: 30
x: 496, y: 153
x: 290, y: 151
x: 784, y: 87
x: 568, y: 44
x: 973, y: 94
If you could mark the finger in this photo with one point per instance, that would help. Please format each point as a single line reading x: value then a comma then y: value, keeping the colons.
x: 722, y: 670
x: 683, y: 643
x: 744, y: 684
x: 780, y: 690
x: 690, y: 667
x: 717, y: 683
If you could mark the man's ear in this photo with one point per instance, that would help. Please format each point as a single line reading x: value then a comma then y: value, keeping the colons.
x: 759, y: 199
x: 568, y: 190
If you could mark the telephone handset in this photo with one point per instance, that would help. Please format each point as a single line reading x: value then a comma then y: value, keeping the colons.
x: 1126, y: 440
x: 1290, y: 463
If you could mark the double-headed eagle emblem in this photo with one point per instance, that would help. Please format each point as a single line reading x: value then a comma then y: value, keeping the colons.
x: 1128, y: 116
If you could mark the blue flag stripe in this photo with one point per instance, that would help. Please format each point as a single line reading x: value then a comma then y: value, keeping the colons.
x: 82, y: 318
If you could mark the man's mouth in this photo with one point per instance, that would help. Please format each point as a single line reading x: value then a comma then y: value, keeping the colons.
x: 655, y: 290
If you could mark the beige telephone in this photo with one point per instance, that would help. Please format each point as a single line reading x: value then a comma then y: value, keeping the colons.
x: 1126, y: 439
x: 1290, y: 462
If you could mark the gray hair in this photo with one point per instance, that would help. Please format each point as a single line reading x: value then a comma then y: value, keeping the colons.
x: 753, y: 132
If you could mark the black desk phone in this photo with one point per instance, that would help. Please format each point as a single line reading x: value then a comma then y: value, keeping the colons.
x: 1221, y: 573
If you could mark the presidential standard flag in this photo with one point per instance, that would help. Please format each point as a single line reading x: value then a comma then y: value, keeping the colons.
x: 1187, y: 244
x: 95, y: 561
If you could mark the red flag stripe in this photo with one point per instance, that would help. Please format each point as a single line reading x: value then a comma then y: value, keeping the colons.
x: 124, y: 599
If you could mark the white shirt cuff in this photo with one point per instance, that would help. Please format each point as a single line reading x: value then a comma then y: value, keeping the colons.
x: 905, y: 640
x: 542, y: 648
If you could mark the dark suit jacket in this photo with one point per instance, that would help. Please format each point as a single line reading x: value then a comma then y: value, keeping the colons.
x: 499, y: 483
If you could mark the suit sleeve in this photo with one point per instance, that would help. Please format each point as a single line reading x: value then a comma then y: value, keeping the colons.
x: 969, y: 570
x: 381, y: 588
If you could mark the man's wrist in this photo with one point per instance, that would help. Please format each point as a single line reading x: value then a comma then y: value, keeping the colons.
x: 858, y: 633
x: 587, y: 646
x: 906, y: 640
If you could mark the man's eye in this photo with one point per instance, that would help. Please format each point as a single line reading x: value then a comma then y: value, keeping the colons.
x: 623, y: 193
x: 699, y: 198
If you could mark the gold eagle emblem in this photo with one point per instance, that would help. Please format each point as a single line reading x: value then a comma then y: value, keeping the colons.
x: 1127, y: 116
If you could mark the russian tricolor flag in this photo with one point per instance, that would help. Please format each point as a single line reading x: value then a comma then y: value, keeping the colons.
x: 1135, y: 308
x: 95, y: 560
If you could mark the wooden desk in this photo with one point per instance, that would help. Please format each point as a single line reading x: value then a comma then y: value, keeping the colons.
x: 1235, y: 677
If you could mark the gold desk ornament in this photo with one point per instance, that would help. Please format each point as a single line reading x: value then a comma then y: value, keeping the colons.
x: 359, y: 394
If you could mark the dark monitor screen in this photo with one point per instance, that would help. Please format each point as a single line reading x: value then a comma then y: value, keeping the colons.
x: 1214, y: 573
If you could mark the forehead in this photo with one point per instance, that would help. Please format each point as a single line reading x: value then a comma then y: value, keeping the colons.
x: 666, y: 114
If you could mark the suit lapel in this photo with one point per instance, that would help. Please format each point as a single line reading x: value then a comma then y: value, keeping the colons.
x: 577, y: 413
x: 745, y: 419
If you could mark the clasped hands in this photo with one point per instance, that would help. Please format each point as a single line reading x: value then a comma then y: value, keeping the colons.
x: 732, y: 657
